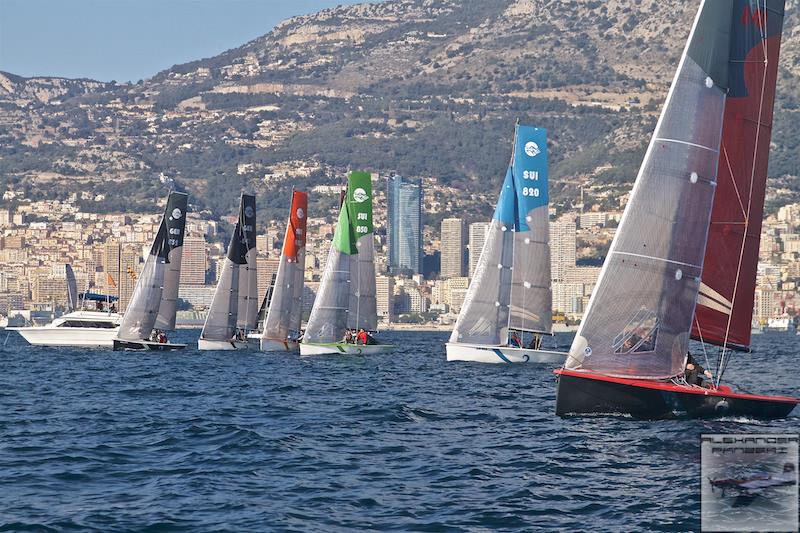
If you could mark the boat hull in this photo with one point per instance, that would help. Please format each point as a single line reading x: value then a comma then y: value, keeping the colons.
x: 79, y: 337
x: 343, y: 348
x: 501, y: 354
x: 120, y: 345
x: 206, y: 344
x: 271, y: 345
x: 582, y: 393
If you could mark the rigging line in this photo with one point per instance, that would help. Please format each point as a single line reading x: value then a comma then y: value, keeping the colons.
x: 733, y: 180
x: 702, y: 342
x: 749, y: 206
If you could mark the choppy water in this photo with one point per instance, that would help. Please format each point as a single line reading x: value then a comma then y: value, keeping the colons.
x: 193, y: 441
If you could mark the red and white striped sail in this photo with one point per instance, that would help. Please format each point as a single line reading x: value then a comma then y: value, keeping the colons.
x: 725, y: 302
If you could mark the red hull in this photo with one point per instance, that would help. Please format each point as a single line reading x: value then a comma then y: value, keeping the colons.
x: 585, y: 393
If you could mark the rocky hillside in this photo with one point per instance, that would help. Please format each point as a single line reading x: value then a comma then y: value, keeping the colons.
x: 426, y: 88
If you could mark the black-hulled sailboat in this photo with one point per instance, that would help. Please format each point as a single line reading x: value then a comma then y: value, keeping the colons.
x: 151, y: 311
x: 234, y: 308
x: 683, y: 261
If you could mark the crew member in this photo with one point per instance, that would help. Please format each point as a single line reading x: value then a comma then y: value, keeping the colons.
x: 361, y: 338
x: 695, y: 373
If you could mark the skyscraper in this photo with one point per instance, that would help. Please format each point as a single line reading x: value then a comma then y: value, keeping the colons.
x: 194, y: 263
x: 477, y: 236
x: 563, y: 240
x: 453, y: 241
x: 404, y: 225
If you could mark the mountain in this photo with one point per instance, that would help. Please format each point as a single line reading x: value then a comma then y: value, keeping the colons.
x: 427, y: 88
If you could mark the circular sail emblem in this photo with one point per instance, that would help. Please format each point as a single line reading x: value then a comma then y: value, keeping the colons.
x: 176, y: 213
x: 300, y: 213
x: 532, y: 149
x: 248, y: 211
x: 360, y: 195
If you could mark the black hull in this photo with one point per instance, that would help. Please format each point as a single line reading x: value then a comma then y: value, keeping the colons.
x: 120, y: 345
x: 577, y: 395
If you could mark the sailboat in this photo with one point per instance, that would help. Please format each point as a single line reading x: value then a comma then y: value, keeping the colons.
x: 154, y: 302
x: 234, y: 308
x: 346, y: 301
x: 510, y: 294
x: 683, y: 261
x: 282, y: 323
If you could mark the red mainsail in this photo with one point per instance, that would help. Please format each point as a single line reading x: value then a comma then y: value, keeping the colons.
x: 725, y: 302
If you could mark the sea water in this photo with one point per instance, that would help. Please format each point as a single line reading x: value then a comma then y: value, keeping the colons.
x: 404, y: 441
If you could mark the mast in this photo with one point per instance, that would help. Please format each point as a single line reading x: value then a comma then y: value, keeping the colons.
x: 640, y: 314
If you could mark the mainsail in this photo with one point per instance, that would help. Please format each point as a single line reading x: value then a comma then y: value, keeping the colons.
x: 222, y: 319
x: 725, y: 304
x: 153, y: 286
x: 511, y: 285
x: 286, y: 304
x: 247, y: 312
x: 638, y: 320
x: 346, y: 296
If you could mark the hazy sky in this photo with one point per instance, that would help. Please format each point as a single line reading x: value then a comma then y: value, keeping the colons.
x: 127, y: 40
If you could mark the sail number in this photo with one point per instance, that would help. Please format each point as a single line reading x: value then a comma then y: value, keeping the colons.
x: 362, y: 229
x: 531, y: 175
x: 530, y: 191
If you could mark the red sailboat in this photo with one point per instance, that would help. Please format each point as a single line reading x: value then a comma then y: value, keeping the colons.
x: 683, y: 262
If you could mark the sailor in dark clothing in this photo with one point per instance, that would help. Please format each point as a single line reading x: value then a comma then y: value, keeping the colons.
x: 695, y: 373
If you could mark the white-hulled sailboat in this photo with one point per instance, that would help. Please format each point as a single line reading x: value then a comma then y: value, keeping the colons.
x: 234, y: 309
x: 154, y: 302
x: 345, y: 303
x: 510, y: 298
x: 282, y: 323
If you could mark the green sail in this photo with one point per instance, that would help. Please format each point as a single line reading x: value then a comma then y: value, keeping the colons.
x: 355, y: 216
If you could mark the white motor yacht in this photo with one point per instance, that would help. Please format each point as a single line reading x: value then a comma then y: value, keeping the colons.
x: 78, y: 328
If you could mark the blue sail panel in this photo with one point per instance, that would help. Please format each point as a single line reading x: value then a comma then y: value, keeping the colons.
x: 506, y: 210
x: 529, y: 169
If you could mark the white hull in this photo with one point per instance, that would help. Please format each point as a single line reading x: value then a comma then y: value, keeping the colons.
x: 63, y: 331
x: 83, y: 337
x: 343, y: 348
x: 270, y: 345
x: 501, y: 354
x: 205, y: 344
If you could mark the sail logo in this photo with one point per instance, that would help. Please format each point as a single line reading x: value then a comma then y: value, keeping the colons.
x: 360, y: 195
x: 532, y: 149
x: 300, y: 213
x: 248, y: 211
x: 176, y: 213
